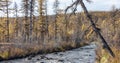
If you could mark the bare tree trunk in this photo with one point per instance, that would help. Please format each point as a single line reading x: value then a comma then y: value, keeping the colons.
x: 95, y: 28
x: 31, y: 20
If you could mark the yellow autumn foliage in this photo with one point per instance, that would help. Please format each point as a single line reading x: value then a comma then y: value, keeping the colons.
x: 4, y: 54
x: 89, y: 33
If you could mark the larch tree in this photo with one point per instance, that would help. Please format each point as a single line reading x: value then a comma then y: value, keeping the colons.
x: 25, y: 8
x: 79, y: 23
x: 7, y: 12
x: 16, y: 19
x: 113, y: 16
x: 56, y: 7
x: 5, y: 4
x: 32, y: 4
x: 42, y: 23
x: 46, y: 20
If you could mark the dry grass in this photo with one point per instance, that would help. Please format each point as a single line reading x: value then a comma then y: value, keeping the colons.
x: 8, y: 52
x: 104, y: 57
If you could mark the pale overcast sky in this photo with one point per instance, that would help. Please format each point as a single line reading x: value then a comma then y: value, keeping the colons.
x: 96, y: 5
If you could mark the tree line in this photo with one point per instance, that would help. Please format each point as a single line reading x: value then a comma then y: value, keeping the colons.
x: 29, y: 27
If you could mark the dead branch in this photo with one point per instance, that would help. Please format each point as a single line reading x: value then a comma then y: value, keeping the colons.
x: 92, y: 24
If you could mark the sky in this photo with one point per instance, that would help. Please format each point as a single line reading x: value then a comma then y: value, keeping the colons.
x: 96, y: 5
x: 99, y: 5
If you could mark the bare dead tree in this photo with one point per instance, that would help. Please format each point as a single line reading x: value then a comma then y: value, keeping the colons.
x: 92, y: 24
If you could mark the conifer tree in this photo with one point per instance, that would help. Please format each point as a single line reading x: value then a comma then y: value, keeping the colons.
x: 32, y: 3
x: 56, y: 7
x: 42, y: 23
x: 5, y: 4
x: 25, y: 9
x: 16, y: 19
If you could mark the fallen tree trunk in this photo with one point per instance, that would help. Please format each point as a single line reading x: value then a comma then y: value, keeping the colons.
x: 95, y: 28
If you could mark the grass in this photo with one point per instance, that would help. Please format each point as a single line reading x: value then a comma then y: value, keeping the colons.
x: 14, y: 52
x: 104, y: 57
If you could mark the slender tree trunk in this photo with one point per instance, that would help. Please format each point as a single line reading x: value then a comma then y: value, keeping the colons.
x: 78, y: 30
x: 7, y: 21
x: 47, y: 23
x: 56, y: 27
x: 66, y: 29
x: 26, y: 23
x: 16, y: 21
x: 42, y: 20
x: 95, y: 28
x: 56, y: 4
x: 31, y: 20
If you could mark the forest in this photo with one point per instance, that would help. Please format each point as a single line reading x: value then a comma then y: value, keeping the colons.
x: 33, y: 31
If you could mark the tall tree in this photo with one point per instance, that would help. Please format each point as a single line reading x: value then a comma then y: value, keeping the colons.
x: 16, y: 19
x: 42, y: 19
x: 56, y: 7
x: 7, y: 21
x: 25, y: 8
x: 32, y: 3
x: 79, y: 23
x: 46, y: 19
x: 5, y: 4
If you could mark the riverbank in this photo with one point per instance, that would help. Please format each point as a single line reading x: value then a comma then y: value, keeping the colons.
x: 16, y: 51
x: 85, y: 54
